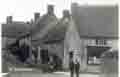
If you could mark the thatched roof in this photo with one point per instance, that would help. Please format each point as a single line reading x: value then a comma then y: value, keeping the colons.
x: 57, y: 33
x: 90, y: 21
x: 42, y: 27
x: 96, y: 21
x: 15, y: 29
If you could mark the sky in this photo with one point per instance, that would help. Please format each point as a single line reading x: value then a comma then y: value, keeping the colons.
x: 23, y: 10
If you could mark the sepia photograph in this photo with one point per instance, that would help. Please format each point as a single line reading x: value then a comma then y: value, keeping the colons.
x: 59, y: 39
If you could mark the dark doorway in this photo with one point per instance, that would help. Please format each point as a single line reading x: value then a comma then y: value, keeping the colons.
x: 44, y: 56
x: 95, y: 51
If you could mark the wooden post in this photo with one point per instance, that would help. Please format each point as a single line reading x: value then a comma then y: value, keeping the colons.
x: 39, y: 59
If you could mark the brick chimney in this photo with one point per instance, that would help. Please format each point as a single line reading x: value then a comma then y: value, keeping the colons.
x: 66, y: 14
x: 9, y: 19
x: 36, y: 16
x: 50, y: 9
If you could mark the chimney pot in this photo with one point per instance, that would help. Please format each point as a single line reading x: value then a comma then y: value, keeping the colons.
x: 66, y: 13
x: 36, y: 16
x: 50, y: 9
x: 9, y: 19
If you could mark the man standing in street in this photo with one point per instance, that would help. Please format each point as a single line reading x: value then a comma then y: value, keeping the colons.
x: 77, y: 67
x: 71, y: 64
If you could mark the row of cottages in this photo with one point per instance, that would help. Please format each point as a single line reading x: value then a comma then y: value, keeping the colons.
x: 34, y: 33
x: 87, y: 32
x: 13, y: 31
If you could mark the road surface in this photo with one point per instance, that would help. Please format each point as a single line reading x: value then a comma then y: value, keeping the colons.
x: 56, y: 74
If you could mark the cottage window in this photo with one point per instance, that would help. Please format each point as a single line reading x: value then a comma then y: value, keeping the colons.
x: 101, y: 42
